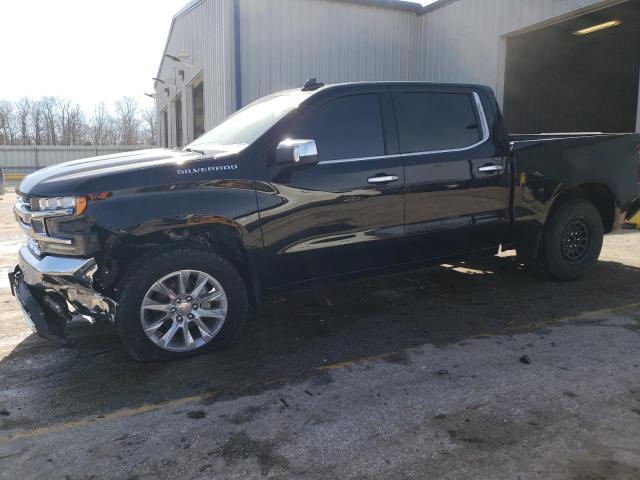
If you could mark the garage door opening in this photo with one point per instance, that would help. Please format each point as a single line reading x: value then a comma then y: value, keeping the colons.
x: 580, y: 75
x: 198, y: 110
x: 177, y: 108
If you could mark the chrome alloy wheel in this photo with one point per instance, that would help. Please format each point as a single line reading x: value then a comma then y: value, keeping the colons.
x: 183, y: 310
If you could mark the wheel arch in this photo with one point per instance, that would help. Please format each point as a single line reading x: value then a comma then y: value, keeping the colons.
x: 598, y: 194
x: 222, y: 236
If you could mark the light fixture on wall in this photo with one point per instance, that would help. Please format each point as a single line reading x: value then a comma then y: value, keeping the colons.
x: 158, y: 80
x: 180, y: 59
x: 597, y: 28
x: 151, y: 95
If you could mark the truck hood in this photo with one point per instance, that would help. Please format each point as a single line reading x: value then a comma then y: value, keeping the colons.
x: 111, y: 172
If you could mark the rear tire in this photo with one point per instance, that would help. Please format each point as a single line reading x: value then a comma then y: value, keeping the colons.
x: 146, y: 281
x: 573, y: 240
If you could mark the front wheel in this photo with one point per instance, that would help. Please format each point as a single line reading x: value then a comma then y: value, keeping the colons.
x: 181, y: 303
x: 573, y: 240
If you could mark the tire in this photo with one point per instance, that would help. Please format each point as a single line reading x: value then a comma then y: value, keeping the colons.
x: 573, y: 240
x: 201, y: 265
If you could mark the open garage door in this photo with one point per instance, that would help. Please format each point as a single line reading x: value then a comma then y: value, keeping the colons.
x: 579, y: 75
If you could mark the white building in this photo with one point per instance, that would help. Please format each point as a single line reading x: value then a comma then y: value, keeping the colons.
x: 555, y: 65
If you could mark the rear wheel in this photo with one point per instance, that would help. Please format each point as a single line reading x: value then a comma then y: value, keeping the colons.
x: 573, y: 239
x: 181, y: 303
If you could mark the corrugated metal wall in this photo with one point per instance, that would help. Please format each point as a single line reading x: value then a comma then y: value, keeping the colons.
x: 205, y: 33
x: 463, y: 40
x: 18, y: 159
x: 285, y: 42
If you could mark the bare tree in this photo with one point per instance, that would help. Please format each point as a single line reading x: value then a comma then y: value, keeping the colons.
x: 37, y: 122
x: 50, y: 115
x: 56, y: 121
x: 64, y: 123
x: 71, y: 123
x: 101, y: 125
x: 149, y: 126
x: 127, y: 120
x: 6, y: 123
x: 79, y: 130
x: 23, y: 108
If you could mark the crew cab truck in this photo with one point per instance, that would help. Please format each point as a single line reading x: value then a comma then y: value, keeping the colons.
x: 172, y: 246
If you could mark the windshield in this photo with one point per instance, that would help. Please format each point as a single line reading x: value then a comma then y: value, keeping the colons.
x: 248, y: 124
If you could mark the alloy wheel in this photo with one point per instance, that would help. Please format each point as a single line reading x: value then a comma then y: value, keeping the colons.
x: 184, y: 310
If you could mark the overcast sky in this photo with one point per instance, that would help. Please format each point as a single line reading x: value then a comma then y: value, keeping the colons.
x: 84, y: 50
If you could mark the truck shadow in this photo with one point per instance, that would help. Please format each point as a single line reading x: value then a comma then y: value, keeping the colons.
x: 296, y: 334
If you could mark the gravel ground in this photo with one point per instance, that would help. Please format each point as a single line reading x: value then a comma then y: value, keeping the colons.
x: 475, y: 370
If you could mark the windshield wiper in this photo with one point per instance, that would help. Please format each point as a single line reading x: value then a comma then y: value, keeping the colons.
x: 187, y: 149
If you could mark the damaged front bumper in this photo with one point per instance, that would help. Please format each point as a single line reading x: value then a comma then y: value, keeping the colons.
x: 54, y: 291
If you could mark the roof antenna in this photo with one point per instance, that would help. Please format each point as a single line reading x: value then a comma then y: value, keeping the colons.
x: 312, y: 84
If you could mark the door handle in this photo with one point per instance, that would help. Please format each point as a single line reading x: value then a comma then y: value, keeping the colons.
x: 383, y: 179
x: 491, y: 168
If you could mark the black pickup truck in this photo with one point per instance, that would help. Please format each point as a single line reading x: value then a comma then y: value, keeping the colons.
x: 172, y: 246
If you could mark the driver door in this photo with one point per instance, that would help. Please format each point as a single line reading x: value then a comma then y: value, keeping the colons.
x: 345, y: 213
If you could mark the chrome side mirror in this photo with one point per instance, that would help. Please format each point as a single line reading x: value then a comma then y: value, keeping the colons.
x: 297, y: 152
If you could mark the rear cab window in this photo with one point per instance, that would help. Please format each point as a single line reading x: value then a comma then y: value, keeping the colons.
x: 431, y: 121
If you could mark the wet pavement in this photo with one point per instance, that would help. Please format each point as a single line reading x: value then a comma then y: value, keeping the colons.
x: 410, y: 375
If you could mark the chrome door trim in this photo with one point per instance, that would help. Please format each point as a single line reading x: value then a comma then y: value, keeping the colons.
x: 361, y: 159
x: 485, y: 137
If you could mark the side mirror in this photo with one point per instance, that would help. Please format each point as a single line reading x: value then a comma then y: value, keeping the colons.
x: 297, y: 152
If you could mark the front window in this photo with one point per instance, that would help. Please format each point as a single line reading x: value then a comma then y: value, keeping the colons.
x: 345, y: 128
x: 247, y: 125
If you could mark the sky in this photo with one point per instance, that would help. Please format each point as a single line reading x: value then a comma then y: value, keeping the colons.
x: 84, y: 50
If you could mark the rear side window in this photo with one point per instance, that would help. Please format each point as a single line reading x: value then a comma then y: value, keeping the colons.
x: 345, y: 128
x: 435, y: 121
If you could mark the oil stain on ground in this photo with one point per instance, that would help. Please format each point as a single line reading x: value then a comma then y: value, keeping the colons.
x: 247, y: 415
x: 240, y: 447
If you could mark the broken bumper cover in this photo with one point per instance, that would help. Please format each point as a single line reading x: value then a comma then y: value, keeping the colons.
x: 53, y: 291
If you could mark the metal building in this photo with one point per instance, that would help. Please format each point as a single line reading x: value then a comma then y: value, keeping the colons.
x: 555, y: 65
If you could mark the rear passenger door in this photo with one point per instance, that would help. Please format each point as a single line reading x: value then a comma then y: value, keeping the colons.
x: 457, y: 187
x: 346, y: 213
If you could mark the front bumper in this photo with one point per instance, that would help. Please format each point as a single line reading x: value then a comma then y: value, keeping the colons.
x: 54, y: 291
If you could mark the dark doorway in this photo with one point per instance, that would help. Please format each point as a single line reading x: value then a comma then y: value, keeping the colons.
x: 165, y: 129
x: 559, y: 81
x: 198, y: 110
x: 178, y: 109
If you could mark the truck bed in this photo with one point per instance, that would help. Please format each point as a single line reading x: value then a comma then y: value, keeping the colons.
x: 520, y: 137
x: 547, y: 166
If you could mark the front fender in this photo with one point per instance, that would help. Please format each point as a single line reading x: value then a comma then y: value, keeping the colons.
x: 141, y: 213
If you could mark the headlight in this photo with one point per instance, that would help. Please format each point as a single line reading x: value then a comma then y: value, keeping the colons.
x: 78, y: 204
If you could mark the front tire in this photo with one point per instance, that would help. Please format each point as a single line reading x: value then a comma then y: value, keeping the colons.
x: 573, y: 240
x: 180, y: 303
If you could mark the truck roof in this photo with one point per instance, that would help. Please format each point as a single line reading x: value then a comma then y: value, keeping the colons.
x: 312, y: 86
x: 400, y: 83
